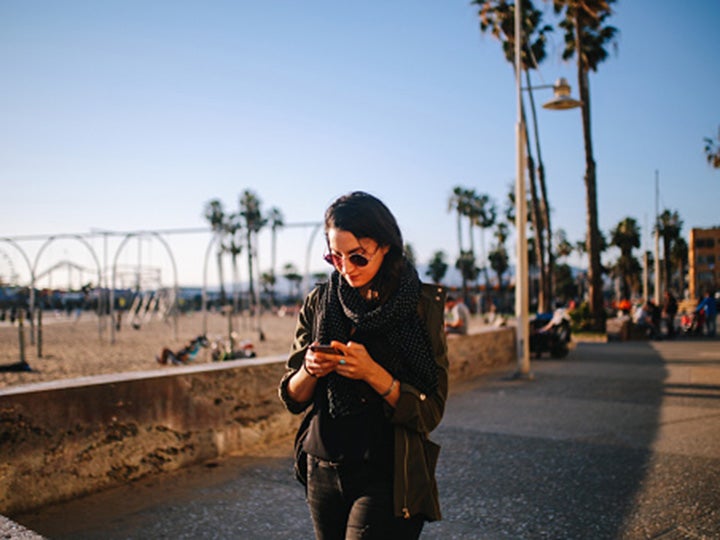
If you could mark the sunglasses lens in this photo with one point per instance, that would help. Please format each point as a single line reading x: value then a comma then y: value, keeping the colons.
x: 358, y: 260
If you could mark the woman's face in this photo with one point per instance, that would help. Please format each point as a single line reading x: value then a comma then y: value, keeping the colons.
x: 345, y: 248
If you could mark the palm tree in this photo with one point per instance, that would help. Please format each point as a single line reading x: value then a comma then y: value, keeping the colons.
x: 250, y: 211
x: 277, y: 220
x: 626, y: 237
x: 679, y: 257
x: 267, y: 282
x: 586, y: 38
x: 564, y: 247
x: 215, y: 215
x: 498, y: 256
x: 470, y: 212
x: 498, y: 17
x: 565, y: 287
x: 484, y: 216
x: 581, y: 247
x: 712, y: 150
x: 468, y: 270
x: 290, y: 273
x: 565, y: 283
x: 233, y: 245
x: 459, y: 203
x: 669, y: 224
x: 437, y: 268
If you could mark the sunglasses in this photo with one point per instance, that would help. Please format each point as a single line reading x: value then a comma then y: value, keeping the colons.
x: 355, y: 259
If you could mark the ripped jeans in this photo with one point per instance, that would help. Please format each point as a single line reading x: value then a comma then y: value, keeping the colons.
x: 353, y: 502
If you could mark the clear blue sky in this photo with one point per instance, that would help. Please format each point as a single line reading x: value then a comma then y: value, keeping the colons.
x: 126, y: 115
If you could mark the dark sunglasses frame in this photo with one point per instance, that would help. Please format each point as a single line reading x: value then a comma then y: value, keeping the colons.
x: 355, y: 259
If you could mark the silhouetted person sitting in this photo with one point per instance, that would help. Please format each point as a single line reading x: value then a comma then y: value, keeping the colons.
x: 645, y: 317
x: 457, y: 316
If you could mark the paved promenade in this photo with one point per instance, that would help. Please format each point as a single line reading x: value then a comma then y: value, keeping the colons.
x: 617, y: 441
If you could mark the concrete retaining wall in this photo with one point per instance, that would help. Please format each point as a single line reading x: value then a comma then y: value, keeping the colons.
x: 64, y: 439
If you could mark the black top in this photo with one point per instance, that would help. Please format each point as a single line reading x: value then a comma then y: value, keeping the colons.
x: 353, y: 439
x: 364, y: 437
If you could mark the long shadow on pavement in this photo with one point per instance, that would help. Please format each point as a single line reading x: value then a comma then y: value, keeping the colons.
x: 562, y: 456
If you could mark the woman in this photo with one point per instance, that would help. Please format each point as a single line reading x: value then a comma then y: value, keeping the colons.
x: 373, y: 400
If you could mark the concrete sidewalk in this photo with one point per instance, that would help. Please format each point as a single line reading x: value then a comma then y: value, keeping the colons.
x: 618, y: 440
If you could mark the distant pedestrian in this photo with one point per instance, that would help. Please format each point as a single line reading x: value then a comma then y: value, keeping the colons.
x: 709, y: 307
x: 669, y: 311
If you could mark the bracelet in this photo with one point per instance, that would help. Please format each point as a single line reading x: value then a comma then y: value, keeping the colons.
x: 308, y: 371
x: 387, y: 392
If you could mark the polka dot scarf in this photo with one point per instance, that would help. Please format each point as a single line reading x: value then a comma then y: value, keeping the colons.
x: 410, y: 356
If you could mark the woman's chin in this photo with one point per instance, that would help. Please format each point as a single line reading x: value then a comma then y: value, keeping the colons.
x: 356, y: 282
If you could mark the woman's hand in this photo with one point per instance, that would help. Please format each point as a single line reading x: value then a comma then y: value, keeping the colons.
x: 318, y: 363
x: 301, y: 385
x: 355, y: 363
x: 358, y: 364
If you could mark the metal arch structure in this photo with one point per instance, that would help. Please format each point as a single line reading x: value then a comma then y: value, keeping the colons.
x: 31, y: 299
x: 316, y: 227
x: 213, y: 240
x: 49, y: 241
x: 125, y: 240
x: 313, y: 233
x: 14, y: 244
x: 13, y: 273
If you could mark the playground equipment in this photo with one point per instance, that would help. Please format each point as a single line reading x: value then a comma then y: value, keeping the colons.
x: 147, y: 301
x: 149, y: 304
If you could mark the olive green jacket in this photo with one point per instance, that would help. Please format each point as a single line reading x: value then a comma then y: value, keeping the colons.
x: 414, y: 417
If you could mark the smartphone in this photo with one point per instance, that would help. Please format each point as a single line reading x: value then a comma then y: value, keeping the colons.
x: 327, y: 349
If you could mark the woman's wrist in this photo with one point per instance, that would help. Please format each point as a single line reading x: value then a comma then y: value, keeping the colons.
x: 390, y: 389
x: 308, y: 371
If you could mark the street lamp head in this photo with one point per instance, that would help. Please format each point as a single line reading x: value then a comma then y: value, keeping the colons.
x: 562, y: 99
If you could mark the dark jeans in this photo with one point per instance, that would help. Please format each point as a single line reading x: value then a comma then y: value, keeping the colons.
x: 349, y: 502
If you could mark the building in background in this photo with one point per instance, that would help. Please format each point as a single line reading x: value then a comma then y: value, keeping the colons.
x: 703, y: 261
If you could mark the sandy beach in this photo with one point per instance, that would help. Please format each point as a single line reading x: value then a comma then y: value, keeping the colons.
x: 82, y: 347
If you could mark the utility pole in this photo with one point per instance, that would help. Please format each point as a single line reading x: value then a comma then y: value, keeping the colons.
x: 656, y: 295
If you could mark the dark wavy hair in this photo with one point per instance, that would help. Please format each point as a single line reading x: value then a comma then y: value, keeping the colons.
x: 366, y: 216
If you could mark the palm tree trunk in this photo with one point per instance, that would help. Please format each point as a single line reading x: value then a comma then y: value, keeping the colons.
x: 537, y: 223
x: 667, y: 262
x: 258, y: 302
x: 235, y: 284
x: 485, y: 269
x: 273, y: 262
x: 460, y: 247
x: 459, y: 230
x: 593, y: 232
x: 471, y: 238
x: 544, y: 209
x: 221, y: 276
x: 251, y: 284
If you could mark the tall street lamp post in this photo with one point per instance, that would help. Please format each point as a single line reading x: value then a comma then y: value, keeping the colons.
x: 522, y: 328
x: 561, y: 101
